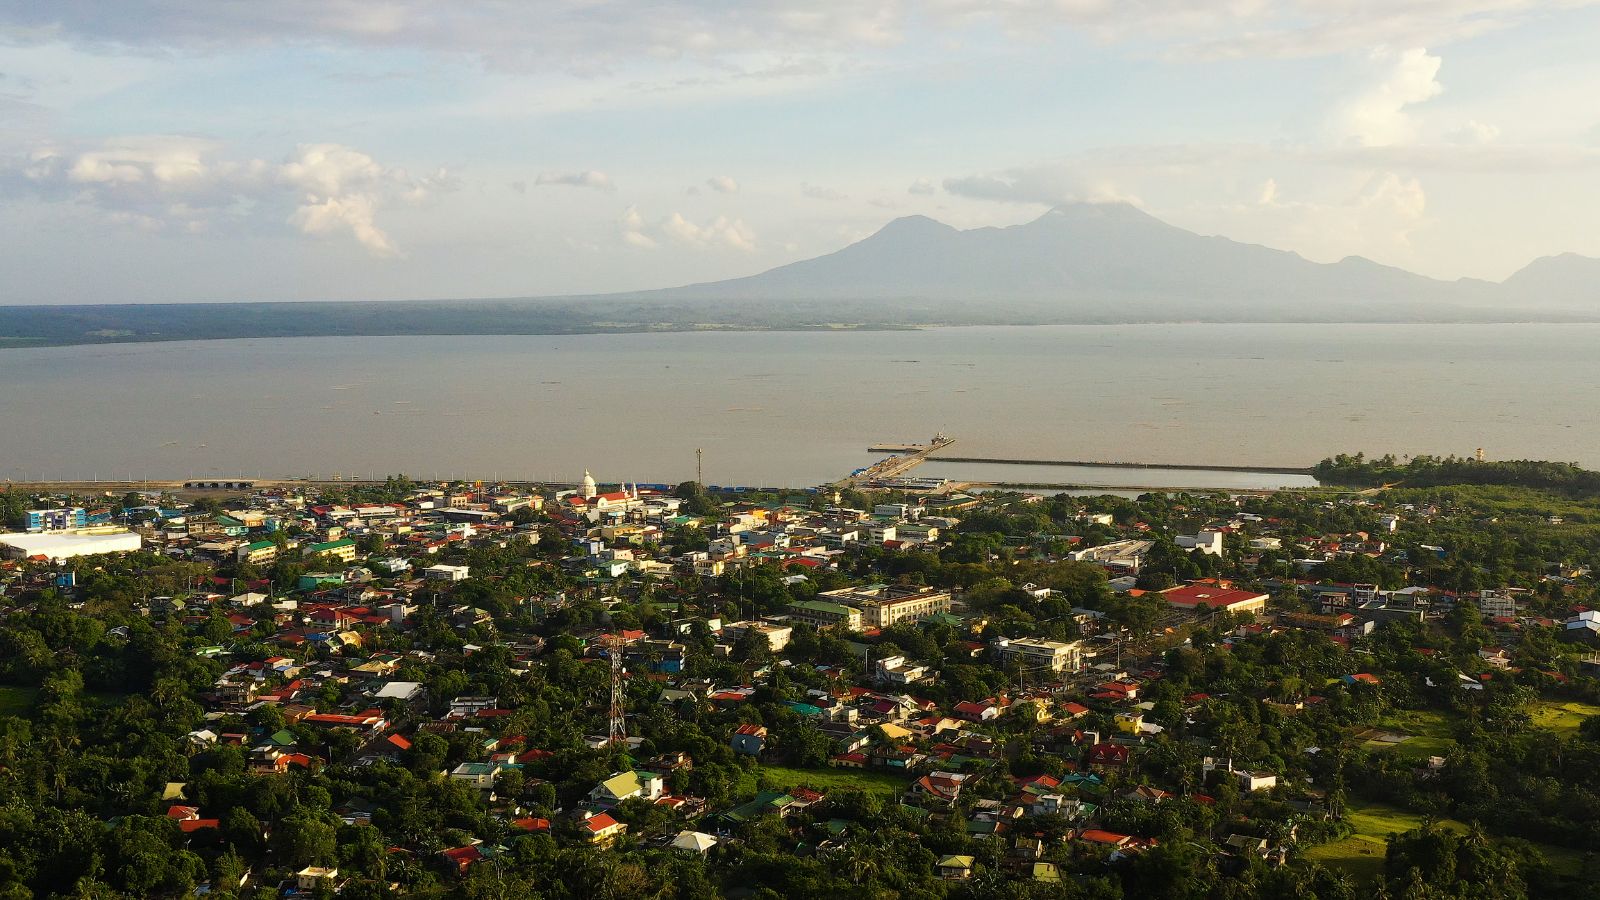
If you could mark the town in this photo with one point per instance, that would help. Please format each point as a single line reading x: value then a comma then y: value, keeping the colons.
x: 616, y: 690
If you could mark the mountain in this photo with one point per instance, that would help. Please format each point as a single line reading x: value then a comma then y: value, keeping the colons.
x: 1115, y: 262
x: 1565, y: 282
x: 1087, y: 263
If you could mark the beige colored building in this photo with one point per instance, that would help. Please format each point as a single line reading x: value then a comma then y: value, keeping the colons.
x: 884, y: 605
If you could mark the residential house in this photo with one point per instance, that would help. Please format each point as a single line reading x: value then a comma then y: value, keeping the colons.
x: 749, y: 739
x: 626, y: 786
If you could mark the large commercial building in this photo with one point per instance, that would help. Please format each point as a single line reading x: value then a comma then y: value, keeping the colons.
x: 59, y: 545
x: 1119, y: 556
x: 1057, y: 656
x: 884, y: 605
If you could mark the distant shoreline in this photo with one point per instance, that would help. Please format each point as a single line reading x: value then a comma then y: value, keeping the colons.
x: 27, y: 327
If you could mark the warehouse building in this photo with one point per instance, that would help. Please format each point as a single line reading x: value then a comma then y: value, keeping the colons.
x: 59, y: 545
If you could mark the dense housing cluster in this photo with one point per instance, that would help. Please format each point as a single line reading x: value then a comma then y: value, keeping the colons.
x: 474, y: 690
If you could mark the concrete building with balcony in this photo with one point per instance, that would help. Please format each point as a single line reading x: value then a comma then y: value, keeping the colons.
x: 1057, y: 656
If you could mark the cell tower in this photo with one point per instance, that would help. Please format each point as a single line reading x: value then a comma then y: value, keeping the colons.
x: 619, y: 726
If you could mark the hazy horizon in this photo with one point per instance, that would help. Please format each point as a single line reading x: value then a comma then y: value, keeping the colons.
x: 159, y: 151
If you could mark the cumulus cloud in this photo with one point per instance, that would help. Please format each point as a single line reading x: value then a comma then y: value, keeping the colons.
x: 160, y: 182
x: 818, y: 192
x: 631, y: 227
x: 723, y: 184
x: 1051, y: 185
x: 328, y: 215
x: 922, y: 186
x: 1378, y: 116
x: 600, y: 181
x: 719, y: 232
x: 1375, y: 216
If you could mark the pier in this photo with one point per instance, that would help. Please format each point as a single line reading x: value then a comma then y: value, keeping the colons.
x: 1180, y: 467
x: 906, y: 457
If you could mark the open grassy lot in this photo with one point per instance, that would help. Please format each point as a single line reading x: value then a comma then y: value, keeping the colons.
x: 1563, y: 717
x: 881, y: 783
x: 1428, y: 734
x: 16, y: 701
x: 1361, y: 854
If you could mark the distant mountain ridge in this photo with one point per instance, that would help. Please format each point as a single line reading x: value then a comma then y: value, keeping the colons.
x: 1082, y: 257
x: 1082, y: 263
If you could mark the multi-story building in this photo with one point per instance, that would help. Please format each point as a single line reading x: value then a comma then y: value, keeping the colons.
x: 1058, y: 656
x: 883, y: 605
x: 57, y: 519
x: 1497, y: 604
x: 258, y: 553
x: 822, y: 614
x: 777, y: 635
x: 343, y: 549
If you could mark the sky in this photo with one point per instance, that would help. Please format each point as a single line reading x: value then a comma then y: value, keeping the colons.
x: 190, y: 150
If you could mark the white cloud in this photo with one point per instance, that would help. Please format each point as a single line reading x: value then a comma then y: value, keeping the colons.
x: 158, y: 182
x: 1377, y: 116
x: 327, y: 215
x: 818, y: 192
x: 1048, y: 184
x: 1374, y: 216
x: 720, y: 232
x: 631, y: 227
x: 922, y: 186
x: 723, y: 184
x: 342, y: 189
x: 600, y: 181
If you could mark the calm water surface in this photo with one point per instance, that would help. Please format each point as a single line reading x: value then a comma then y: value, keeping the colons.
x: 797, y: 409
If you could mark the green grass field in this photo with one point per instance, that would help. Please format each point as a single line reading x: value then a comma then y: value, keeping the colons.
x: 16, y: 701
x: 1361, y: 854
x: 785, y: 777
x: 1429, y: 734
x: 1562, y: 717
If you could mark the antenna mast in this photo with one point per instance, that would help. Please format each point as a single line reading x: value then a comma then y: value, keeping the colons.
x: 618, y: 733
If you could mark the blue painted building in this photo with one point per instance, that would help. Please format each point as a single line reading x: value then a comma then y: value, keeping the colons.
x: 57, y: 519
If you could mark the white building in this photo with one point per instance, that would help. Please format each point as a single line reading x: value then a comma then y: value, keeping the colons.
x: 443, y: 572
x: 1207, y: 542
x: 896, y: 670
x: 1058, y: 656
x: 59, y: 545
x: 1125, y: 556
